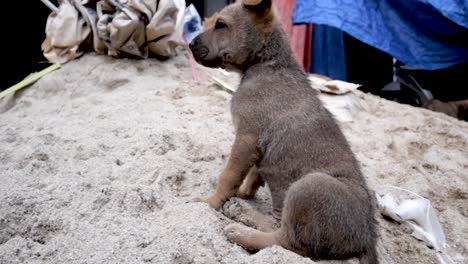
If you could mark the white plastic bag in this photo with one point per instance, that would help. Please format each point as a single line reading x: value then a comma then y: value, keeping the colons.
x: 420, y: 216
x: 192, y: 23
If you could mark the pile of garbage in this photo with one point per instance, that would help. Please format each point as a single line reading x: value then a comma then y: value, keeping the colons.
x: 118, y: 28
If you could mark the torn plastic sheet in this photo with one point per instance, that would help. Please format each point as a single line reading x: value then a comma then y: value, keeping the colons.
x: 420, y: 216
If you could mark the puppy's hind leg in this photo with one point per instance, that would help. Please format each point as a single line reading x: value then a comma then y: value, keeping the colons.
x: 241, y: 211
x: 252, y: 182
x: 329, y: 218
x: 252, y: 239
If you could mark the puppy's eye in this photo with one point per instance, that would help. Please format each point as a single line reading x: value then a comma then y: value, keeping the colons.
x: 220, y: 24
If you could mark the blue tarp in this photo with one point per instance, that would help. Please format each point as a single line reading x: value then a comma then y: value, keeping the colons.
x: 425, y: 34
x: 328, y: 54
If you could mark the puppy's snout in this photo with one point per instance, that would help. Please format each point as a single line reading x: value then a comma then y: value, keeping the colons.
x: 194, y: 43
x: 197, y: 49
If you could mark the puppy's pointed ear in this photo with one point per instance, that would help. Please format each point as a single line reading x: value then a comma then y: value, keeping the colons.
x: 261, y: 7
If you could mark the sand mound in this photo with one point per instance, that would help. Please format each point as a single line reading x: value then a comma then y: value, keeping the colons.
x: 99, y: 159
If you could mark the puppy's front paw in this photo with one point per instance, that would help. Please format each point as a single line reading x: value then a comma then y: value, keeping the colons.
x: 212, y: 201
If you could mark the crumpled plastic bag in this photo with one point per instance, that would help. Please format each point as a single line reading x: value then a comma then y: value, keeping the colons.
x: 139, y: 26
x: 115, y: 27
x: 329, y: 86
x: 66, y: 29
x: 122, y: 28
x: 192, y: 23
x: 339, y: 97
x: 165, y: 29
x: 420, y: 216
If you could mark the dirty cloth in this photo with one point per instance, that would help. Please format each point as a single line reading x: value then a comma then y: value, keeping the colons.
x: 114, y: 27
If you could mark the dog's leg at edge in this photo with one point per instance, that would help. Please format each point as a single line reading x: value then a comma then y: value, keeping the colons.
x: 244, y: 154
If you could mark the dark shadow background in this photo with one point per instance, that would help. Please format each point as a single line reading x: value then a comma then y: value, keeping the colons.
x: 23, y: 30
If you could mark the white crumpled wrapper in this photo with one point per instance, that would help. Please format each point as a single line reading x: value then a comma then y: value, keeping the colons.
x: 339, y: 97
x: 421, y: 217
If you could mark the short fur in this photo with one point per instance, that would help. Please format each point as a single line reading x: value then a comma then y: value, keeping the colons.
x: 285, y: 137
x: 457, y: 109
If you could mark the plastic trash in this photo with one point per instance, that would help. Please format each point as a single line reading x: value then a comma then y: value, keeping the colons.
x: 192, y: 23
x: 339, y: 98
x: 421, y: 217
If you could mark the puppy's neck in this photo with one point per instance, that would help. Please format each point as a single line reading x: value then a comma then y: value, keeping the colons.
x: 273, y: 52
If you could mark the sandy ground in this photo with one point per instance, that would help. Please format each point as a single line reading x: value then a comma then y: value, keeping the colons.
x: 99, y: 159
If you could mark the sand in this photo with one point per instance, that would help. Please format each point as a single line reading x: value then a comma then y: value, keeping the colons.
x: 99, y: 159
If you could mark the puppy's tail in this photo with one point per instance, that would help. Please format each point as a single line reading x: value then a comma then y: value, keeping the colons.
x: 370, y: 257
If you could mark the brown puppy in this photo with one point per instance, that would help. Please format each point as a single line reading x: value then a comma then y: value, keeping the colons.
x: 457, y: 109
x: 285, y: 137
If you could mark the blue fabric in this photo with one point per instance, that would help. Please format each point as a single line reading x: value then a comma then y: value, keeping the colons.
x: 328, y: 57
x: 425, y: 34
